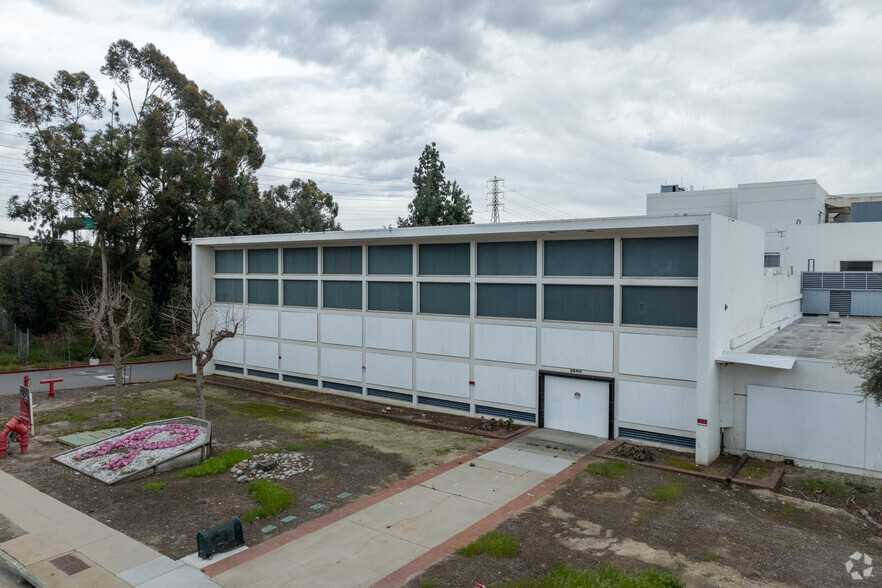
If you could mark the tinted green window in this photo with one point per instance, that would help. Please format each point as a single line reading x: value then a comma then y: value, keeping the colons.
x: 590, y: 304
x: 436, y: 298
x: 341, y: 295
x: 579, y: 258
x: 507, y: 300
x: 228, y: 290
x: 390, y: 259
x: 341, y: 260
x: 263, y: 261
x: 390, y: 296
x: 228, y: 262
x: 303, y: 260
x: 300, y: 293
x: 507, y: 259
x: 445, y: 259
x: 660, y: 256
x: 661, y: 306
x: 263, y: 292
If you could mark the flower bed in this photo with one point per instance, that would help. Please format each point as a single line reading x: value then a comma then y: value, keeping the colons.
x: 146, y: 447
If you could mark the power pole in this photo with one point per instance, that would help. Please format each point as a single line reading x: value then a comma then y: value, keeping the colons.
x: 494, y: 196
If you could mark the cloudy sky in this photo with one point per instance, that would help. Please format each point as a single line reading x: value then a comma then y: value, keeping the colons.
x: 582, y: 107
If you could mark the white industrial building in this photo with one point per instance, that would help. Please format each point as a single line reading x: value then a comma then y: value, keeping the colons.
x: 660, y: 328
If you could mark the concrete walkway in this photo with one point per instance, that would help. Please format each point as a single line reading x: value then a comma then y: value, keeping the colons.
x: 380, y: 540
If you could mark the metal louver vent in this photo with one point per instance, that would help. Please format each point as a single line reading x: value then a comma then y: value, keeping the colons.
x: 840, y: 301
x: 855, y: 281
x: 832, y: 281
x: 657, y: 437
x: 811, y: 280
x: 874, y: 281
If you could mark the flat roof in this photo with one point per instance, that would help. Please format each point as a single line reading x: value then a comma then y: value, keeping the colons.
x: 637, y: 223
x: 813, y: 338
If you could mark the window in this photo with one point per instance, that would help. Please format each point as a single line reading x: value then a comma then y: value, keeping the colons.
x: 507, y: 300
x: 855, y: 266
x: 228, y: 291
x: 263, y: 292
x: 660, y: 306
x: 445, y: 259
x: 772, y: 259
x: 660, y: 256
x: 341, y: 295
x: 443, y: 298
x: 300, y: 293
x: 390, y: 259
x: 341, y: 260
x: 228, y: 261
x: 390, y: 296
x: 589, y: 304
x: 303, y: 260
x: 579, y: 258
x: 517, y: 258
x: 263, y: 261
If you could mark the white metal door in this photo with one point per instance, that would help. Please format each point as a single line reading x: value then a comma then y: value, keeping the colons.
x: 577, y: 405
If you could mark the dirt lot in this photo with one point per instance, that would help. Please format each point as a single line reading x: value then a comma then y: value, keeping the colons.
x: 350, y: 454
x: 708, y: 533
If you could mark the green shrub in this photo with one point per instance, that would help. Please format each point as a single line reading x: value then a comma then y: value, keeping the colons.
x: 215, y: 465
x: 271, y: 498
x: 494, y: 544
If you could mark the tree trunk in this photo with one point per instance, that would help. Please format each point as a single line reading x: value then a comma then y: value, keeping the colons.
x: 117, y: 371
x: 200, y: 396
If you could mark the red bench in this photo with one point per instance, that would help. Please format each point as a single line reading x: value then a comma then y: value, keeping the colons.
x: 52, y: 385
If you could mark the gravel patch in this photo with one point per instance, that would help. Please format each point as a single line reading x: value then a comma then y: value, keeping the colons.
x: 271, y: 466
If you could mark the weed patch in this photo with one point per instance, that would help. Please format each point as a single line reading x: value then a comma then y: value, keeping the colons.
x: 270, y: 497
x: 153, y: 486
x: 835, y: 488
x: 215, y: 465
x: 610, y: 469
x: 269, y: 412
x: 494, y: 544
x: 669, y: 492
x: 606, y: 576
x: 676, y: 462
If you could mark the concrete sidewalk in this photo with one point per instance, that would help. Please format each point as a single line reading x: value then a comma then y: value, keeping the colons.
x: 60, y: 546
x: 386, y: 543
x: 382, y: 539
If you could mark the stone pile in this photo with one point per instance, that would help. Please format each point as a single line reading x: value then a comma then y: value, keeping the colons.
x: 271, y: 466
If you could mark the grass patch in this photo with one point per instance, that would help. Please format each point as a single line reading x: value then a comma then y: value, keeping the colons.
x: 153, y: 486
x: 215, y: 465
x: 442, y: 451
x: 270, y: 497
x: 605, y: 577
x: 295, y: 447
x: 494, y: 544
x: 831, y: 488
x: 610, y: 469
x: 669, y: 492
x: 712, y: 556
x: 676, y: 462
x: 785, y: 512
x: 322, y: 443
x: 269, y: 412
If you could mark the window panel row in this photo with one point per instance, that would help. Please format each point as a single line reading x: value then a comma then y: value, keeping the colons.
x: 641, y: 305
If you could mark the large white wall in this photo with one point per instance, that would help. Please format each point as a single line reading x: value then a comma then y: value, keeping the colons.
x: 830, y: 243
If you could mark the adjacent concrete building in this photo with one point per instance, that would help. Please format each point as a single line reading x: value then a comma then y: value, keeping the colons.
x: 9, y: 244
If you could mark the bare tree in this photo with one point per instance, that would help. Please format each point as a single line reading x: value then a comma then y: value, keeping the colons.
x: 116, y: 319
x: 196, y: 328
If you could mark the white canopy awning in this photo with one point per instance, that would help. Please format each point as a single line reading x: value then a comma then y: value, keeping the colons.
x: 780, y: 362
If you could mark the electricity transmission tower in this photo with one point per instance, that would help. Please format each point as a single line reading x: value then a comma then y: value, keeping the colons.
x: 494, y: 196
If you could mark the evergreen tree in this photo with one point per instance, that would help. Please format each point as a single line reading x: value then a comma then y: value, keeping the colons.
x: 437, y: 201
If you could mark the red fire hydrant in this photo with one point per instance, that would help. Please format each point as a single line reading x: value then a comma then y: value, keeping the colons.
x: 18, y: 428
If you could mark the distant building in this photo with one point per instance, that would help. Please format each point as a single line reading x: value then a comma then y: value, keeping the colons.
x: 9, y: 244
x: 640, y: 328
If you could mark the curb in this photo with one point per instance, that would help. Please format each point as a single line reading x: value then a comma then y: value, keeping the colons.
x: 16, y: 568
x: 365, y: 413
x: 774, y: 478
x: 85, y: 365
